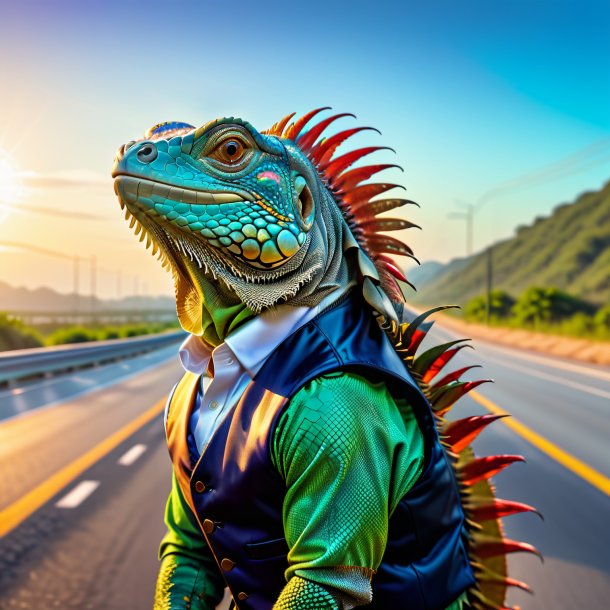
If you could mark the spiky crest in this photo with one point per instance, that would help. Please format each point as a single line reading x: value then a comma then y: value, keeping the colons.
x: 488, y: 546
x: 354, y: 198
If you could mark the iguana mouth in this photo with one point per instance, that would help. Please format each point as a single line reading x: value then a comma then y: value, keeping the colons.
x: 243, y: 226
x: 133, y: 187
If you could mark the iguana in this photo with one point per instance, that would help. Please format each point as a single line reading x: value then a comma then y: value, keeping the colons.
x: 254, y: 224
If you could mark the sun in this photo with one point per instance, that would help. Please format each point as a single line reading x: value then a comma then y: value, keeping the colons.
x: 10, y: 185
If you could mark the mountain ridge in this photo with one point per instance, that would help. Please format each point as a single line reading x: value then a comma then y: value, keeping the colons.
x: 569, y: 249
x: 48, y: 300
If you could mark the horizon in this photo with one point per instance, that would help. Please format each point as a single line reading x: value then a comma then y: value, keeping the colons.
x: 504, y: 108
x: 85, y: 294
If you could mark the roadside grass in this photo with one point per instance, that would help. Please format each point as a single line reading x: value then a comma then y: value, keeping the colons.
x: 547, y: 310
x: 14, y: 334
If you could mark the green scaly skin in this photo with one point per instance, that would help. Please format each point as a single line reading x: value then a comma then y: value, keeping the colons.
x: 244, y: 218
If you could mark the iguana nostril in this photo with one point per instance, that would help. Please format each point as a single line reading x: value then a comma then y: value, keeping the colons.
x: 147, y: 153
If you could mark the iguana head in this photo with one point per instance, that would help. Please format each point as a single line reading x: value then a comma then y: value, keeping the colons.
x: 255, y: 217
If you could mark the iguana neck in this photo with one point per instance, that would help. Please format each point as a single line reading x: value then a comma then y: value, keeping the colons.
x: 221, y: 313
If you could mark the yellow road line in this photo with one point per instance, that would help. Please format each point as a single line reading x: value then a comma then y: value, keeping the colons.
x: 20, y: 510
x: 584, y: 471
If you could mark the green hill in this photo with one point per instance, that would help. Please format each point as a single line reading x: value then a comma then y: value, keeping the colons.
x: 570, y: 250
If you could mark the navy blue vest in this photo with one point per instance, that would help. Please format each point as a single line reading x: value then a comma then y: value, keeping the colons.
x: 237, y: 494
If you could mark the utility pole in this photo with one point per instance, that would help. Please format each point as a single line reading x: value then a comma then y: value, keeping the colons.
x: 74, y: 259
x: 489, y: 285
x: 76, y: 262
x: 93, y: 284
x: 468, y: 216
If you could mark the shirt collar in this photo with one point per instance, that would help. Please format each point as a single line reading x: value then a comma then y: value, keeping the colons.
x: 253, y: 342
x: 194, y: 355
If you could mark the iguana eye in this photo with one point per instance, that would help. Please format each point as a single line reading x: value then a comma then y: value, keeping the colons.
x: 230, y: 151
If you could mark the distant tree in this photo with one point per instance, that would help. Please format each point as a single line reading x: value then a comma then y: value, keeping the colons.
x: 136, y: 331
x: 110, y: 333
x: 14, y: 334
x: 601, y: 320
x: 548, y: 304
x: 501, y: 304
x: 521, y: 228
x: 579, y: 325
x: 73, y: 334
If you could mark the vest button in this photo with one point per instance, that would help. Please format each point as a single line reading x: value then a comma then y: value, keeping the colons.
x: 199, y: 487
x: 208, y: 526
x: 227, y: 565
x: 242, y: 596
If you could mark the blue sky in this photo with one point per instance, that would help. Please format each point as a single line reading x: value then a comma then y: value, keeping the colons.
x: 471, y: 95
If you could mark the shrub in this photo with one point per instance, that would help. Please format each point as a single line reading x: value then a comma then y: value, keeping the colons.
x: 136, y: 331
x: 74, y: 334
x: 601, y: 319
x: 110, y: 333
x: 500, y: 303
x: 601, y: 322
x: 549, y: 304
x: 579, y: 325
x: 14, y: 334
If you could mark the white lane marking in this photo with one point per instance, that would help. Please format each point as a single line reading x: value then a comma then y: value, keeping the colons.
x: 78, y: 495
x: 519, y: 353
x: 548, y: 377
x: 131, y: 455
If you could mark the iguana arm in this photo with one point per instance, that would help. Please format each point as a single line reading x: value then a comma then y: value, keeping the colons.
x: 188, y: 578
x: 347, y: 456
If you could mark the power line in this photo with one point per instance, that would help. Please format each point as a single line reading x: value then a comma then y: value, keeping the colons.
x: 76, y: 260
x: 570, y: 165
x: 567, y: 166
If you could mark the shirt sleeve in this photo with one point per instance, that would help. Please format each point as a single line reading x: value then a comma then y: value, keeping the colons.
x: 188, y: 577
x: 347, y: 452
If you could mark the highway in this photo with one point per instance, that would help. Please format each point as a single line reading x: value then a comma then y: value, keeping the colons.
x: 84, y: 476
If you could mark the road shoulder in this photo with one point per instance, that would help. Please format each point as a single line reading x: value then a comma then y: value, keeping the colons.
x: 582, y: 350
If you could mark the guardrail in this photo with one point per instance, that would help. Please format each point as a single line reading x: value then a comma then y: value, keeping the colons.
x: 19, y: 364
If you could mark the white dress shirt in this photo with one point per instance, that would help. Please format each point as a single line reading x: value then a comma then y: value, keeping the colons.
x: 236, y: 362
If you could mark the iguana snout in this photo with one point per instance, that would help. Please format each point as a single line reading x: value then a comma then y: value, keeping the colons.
x: 223, y: 188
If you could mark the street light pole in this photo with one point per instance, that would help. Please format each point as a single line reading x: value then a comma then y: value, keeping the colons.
x: 76, y: 261
x: 55, y: 254
x: 488, y: 285
x: 468, y: 216
x: 93, y: 283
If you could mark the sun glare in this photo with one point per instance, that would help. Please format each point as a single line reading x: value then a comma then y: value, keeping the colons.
x: 10, y: 185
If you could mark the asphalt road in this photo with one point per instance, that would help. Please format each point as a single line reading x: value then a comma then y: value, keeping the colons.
x: 83, y: 482
x: 568, y: 405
